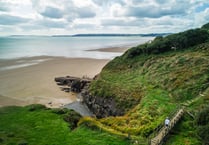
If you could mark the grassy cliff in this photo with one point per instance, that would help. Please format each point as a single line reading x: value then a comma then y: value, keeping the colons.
x: 150, y: 81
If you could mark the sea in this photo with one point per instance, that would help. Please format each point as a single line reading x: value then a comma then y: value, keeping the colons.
x: 12, y: 47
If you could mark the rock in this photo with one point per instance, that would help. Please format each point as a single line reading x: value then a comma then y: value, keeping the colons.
x: 74, y: 84
x: 101, y: 107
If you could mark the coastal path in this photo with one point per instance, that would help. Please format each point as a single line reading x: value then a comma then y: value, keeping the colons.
x: 161, y: 134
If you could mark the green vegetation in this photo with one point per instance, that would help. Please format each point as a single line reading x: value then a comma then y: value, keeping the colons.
x: 151, y: 80
x: 203, y: 124
x: 36, y: 124
x: 206, y: 26
x: 179, y: 41
x: 148, y: 83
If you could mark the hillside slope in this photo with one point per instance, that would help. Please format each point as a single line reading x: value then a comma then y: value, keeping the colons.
x: 150, y: 81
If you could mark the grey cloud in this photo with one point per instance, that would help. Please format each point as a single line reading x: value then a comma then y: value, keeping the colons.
x: 70, y: 17
x: 85, y: 12
x: 51, y: 24
x: 72, y: 13
x: 164, y: 23
x: 81, y: 26
x: 35, y: 3
x: 99, y: 2
x: 120, y: 22
x: 52, y: 12
x: 162, y: 1
x: 105, y: 2
x: 154, y: 11
x: 11, y: 20
x: 31, y: 27
x: 4, y: 7
x: 111, y: 22
x: 137, y: 1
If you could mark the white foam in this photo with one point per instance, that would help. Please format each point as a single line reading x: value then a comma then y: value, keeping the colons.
x: 16, y: 66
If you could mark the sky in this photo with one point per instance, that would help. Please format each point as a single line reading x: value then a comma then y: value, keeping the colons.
x: 67, y: 17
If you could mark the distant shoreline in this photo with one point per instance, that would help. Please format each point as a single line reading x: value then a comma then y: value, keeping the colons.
x: 69, y: 47
x: 115, y: 35
x: 98, y: 35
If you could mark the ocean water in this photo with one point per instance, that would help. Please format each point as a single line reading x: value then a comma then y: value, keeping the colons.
x: 73, y: 47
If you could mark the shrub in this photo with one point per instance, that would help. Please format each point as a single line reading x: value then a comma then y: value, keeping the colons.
x: 34, y: 107
x: 206, y: 26
x: 203, y: 125
x: 60, y: 110
x: 72, y: 118
x: 177, y: 41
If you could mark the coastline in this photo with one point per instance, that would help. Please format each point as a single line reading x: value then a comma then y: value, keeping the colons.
x: 34, y: 82
x: 119, y: 49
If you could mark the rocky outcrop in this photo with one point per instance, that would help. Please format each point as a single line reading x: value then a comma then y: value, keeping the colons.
x: 101, y: 107
x: 74, y: 84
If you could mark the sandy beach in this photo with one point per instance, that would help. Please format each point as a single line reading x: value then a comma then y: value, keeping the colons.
x: 31, y: 80
x: 113, y: 49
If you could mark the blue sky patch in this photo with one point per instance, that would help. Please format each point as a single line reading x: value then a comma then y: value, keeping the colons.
x: 202, y: 7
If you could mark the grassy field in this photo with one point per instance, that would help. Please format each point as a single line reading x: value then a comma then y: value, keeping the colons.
x: 41, y: 126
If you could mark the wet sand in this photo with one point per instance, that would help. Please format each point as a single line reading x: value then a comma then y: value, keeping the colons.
x: 113, y: 49
x: 31, y: 80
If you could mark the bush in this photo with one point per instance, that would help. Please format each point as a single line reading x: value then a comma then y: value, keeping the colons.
x: 206, y: 26
x: 60, y: 110
x: 72, y: 118
x: 203, y: 125
x: 177, y: 41
x: 34, y: 107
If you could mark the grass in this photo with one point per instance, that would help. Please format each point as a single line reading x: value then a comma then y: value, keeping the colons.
x: 150, y: 87
x: 147, y: 88
x: 184, y: 133
x: 34, y: 125
x: 86, y: 136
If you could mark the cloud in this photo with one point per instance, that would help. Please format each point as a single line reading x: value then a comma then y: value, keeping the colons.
x: 47, y: 23
x: 161, y: 1
x: 108, y: 2
x: 11, y: 20
x: 127, y: 16
x: 52, y: 12
x: 85, y: 12
x: 153, y: 11
x: 123, y: 22
x: 84, y: 26
x: 4, y: 7
x: 99, y: 2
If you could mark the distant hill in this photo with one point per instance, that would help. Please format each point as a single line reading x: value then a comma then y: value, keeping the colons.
x: 98, y: 35
x: 121, y: 35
